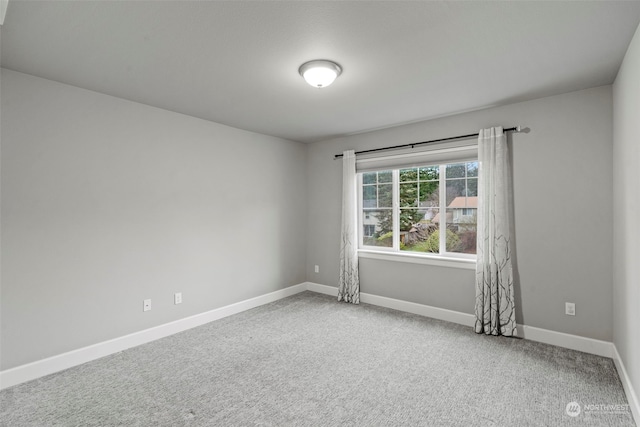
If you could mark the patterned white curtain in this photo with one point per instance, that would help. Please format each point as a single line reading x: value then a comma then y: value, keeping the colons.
x: 495, y: 310
x: 349, y: 284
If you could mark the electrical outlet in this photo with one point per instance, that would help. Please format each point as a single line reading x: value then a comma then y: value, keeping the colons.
x: 570, y: 308
x: 317, y: 269
x: 146, y: 306
x: 177, y: 298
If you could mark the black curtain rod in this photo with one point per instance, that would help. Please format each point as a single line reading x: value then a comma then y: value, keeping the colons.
x: 451, y: 138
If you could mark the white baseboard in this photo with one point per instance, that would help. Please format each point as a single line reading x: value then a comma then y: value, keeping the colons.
x: 322, y: 289
x: 73, y: 358
x: 632, y: 397
x: 560, y: 339
x: 420, y: 309
x: 50, y: 365
x: 572, y: 342
x: 396, y: 304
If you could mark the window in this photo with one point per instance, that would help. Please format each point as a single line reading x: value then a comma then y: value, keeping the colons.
x: 425, y: 209
x: 369, y: 230
x: 377, y: 201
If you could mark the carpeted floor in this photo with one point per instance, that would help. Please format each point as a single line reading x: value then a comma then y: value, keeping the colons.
x: 308, y: 360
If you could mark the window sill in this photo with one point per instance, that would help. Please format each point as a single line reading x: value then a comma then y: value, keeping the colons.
x: 440, y: 261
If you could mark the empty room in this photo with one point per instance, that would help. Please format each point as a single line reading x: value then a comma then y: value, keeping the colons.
x: 319, y: 213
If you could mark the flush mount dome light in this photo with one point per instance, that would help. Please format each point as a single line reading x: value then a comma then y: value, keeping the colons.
x: 320, y: 73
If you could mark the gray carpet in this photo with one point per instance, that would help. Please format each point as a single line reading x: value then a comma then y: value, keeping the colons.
x: 308, y: 360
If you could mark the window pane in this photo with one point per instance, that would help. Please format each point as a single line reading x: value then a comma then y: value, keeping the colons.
x: 462, y: 202
x: 420, y: 237
x: 385, y: 195
x: 409, y: 194
x: 369, y: 196
x: 432, y: 215
x: 461, y: 230
x: 411, y: 217
x: 429, y: 194
x: 369, y: 177
x: 472, y: 169
x: 472, y: 187
x: 369, y: 230
x: 455, y: 188
x: 429, y: 173
x: 384, y: 176
x: 376, y: 227
x: 456, y: 170
x: 408, y: 175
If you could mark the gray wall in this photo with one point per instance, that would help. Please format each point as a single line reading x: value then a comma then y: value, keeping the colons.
x: 107, y: 202
x: 562, y: 180
x: 626, y: 211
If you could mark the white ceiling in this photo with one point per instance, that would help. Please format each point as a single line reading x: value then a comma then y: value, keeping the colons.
x: 236, y: 62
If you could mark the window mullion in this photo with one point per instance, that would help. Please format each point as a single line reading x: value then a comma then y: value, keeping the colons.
x: 396, y: 209
x: 360, y: 211
x: 443, y: 210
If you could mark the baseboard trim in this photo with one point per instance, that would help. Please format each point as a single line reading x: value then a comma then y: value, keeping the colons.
x: 50, y: 365
x: 322, y: 289
x: 40, y: 368
x: 560, y: 339
x: 420, y: 309
x: 396, y: 304
x: 546, y: 336
x: 632, y: 397
x: 572, y: 342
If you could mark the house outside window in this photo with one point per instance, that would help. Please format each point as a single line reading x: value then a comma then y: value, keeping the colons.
x: 369, y: 230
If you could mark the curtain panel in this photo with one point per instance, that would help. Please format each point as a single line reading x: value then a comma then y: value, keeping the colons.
x: 494, y: 309
x: 349, y: 282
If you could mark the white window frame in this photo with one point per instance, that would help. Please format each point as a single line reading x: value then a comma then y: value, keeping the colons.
x: 393, y: 253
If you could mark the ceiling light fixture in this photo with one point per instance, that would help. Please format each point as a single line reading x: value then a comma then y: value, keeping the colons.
x: 320, y: 73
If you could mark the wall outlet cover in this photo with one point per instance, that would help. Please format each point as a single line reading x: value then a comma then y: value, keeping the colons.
x: 570, y: 308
